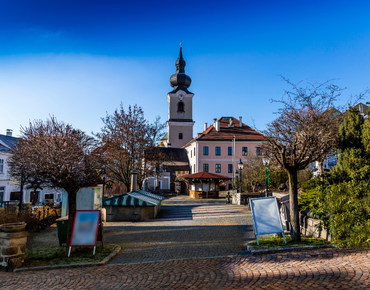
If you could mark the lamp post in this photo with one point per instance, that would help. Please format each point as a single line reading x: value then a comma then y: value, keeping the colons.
x: 240, y: 167
x: 266, y: 162
x: 104, y: 180
x: 156, y: 172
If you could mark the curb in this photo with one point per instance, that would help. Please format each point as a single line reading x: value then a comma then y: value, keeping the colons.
x: 78, y: 265
x: 254, y: 251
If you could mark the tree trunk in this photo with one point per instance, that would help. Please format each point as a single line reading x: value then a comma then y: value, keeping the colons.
x: 71, y: 216
x: 293, y: 201
x: 157, y: 184
x: 321, y: 168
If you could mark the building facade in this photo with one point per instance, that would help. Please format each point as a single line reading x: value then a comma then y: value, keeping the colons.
x: 8, y: 188
x: 220, y: 147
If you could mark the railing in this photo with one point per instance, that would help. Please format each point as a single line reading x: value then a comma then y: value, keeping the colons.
x: 6, y: 204
x: 46, y: 217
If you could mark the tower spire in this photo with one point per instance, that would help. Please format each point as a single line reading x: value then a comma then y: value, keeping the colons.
x: 180, y: 63
x: 180, y: 79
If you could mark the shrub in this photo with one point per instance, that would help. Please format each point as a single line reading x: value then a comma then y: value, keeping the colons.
x: 10, y: 215
x: 310, y: 184
x: 309, y: 200
x: 304, y: 176
x: 346, y: 209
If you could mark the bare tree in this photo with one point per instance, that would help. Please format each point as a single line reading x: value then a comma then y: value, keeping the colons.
x: 58, y: 156
x: 125, y: 137
x: 305, y: 130
x: 253, y: 173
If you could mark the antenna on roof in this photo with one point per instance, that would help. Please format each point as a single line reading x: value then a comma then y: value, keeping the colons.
x: 180, y: 44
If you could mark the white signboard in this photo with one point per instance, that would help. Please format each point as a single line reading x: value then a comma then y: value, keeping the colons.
x: 266, y: 216
x: 85, y: 229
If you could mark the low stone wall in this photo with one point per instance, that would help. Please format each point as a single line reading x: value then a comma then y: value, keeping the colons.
x: 131, y: 213
x: 12, y: 249
x: 309, y: 227
x: 225, y: 192
x: 243, y: 198
x: 236, y: 198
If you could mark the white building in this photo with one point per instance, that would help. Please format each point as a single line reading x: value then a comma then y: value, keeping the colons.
x: 10, y: 189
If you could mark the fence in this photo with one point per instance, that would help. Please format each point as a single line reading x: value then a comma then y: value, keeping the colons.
x: 6, y: 204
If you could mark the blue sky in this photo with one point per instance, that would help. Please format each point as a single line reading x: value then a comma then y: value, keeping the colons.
x: 78, y: 60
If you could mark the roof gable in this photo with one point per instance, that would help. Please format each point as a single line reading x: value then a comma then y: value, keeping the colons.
x: 8, y: 141
x: 227, y: 132
x: 134, y: 198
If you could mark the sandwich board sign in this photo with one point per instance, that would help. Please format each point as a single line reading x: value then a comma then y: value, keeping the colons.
x: 266, y: 216
x: 85, y: 229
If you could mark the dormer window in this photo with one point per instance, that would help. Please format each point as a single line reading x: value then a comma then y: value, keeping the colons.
x: 180, y: 136
x: 180, y: 107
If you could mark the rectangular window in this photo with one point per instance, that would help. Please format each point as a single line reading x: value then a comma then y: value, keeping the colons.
x: 205, y: 150
x: 230, y: 151
x: 258, y: 151
x: 217, y: 150
x: 206, y: 167
x: 194, y: 168
x: 245, y: 151
x: 218, y: 168
x: 194, y: 151
x: 191, y: 153
x: 229, y: 168
x: 1, y: 165
x: 49, y: 196
x: 2, y: 193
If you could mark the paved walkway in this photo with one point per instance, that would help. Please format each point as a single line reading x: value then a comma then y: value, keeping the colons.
x: 200, y: 245
x: 326, y: 269
x: 184, y: 229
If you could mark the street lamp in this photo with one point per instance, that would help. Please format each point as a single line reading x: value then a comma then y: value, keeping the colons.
x: 104, y: 179
x: 240, y: 167
x: 266, y: 162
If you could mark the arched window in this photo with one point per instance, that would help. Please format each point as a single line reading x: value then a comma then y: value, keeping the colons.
x: 180, y: 107
x: 180, y: 135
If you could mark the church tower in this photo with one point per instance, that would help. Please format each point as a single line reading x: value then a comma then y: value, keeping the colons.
x: 180, y: 113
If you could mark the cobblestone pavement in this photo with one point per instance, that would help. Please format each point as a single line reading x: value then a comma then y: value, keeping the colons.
x: 200, y: 245
x: 185, y: 228
x: 324, y: 269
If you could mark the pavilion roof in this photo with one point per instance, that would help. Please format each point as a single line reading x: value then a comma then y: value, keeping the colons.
x: 205, y: 175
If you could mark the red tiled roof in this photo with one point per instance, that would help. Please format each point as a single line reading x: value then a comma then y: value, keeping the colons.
x: 204, y: 175
x: 243, y: 133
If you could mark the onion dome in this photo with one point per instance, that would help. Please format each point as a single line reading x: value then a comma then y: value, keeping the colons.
x: 180, y: 79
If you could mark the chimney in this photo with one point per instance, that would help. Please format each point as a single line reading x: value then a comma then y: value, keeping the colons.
x: 134, y: 180
x: 218, y: 126
x: 9, y: 132
x: 240, y: 121
x: 205, y: 126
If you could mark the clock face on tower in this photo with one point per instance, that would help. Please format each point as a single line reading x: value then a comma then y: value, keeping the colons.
x: 181, y: 97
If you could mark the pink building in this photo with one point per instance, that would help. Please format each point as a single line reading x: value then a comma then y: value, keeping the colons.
x: 220, y: 146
